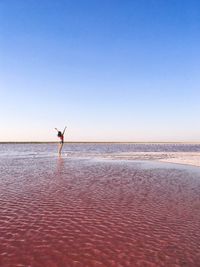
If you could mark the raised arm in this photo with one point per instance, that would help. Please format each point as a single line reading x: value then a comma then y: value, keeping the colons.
x: 64, y: 130
x: 56, y: 129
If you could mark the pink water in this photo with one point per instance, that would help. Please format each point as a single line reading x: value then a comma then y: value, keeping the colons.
x: 81, y: 212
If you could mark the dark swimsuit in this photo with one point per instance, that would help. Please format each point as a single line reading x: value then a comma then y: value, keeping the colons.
x: 61, y: 139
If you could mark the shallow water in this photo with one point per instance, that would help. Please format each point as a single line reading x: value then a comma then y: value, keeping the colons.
x: 90, y: 150
x: 78, y: 211
x: 127, y: 151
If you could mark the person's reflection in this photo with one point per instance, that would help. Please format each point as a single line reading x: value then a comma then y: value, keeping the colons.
x: 62, y: 177
x: 60, y: 166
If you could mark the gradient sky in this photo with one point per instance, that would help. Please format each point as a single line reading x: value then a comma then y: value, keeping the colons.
x: 110, y: 70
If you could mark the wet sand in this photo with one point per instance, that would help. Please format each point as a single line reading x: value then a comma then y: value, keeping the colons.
x: 81, y: 212
x: 186, y: 158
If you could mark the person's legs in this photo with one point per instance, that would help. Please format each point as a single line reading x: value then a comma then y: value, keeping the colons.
x: 60, y: 148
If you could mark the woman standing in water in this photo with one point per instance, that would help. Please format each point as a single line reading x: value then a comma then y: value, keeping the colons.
x: 61, y: 136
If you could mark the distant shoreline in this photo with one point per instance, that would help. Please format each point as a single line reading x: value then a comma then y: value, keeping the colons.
x: 95, y: 142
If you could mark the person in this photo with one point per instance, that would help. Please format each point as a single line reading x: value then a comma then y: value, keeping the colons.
x: 61, y: 136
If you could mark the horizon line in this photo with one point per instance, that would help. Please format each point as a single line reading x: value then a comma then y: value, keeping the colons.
x: 101, y: 142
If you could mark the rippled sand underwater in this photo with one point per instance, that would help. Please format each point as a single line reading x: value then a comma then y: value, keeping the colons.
x: 76, y: 211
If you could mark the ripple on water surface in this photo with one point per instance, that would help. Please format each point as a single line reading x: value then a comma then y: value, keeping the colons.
x: 61, y: 213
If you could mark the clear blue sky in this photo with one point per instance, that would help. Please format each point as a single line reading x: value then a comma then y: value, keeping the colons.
x: 111, y: 70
